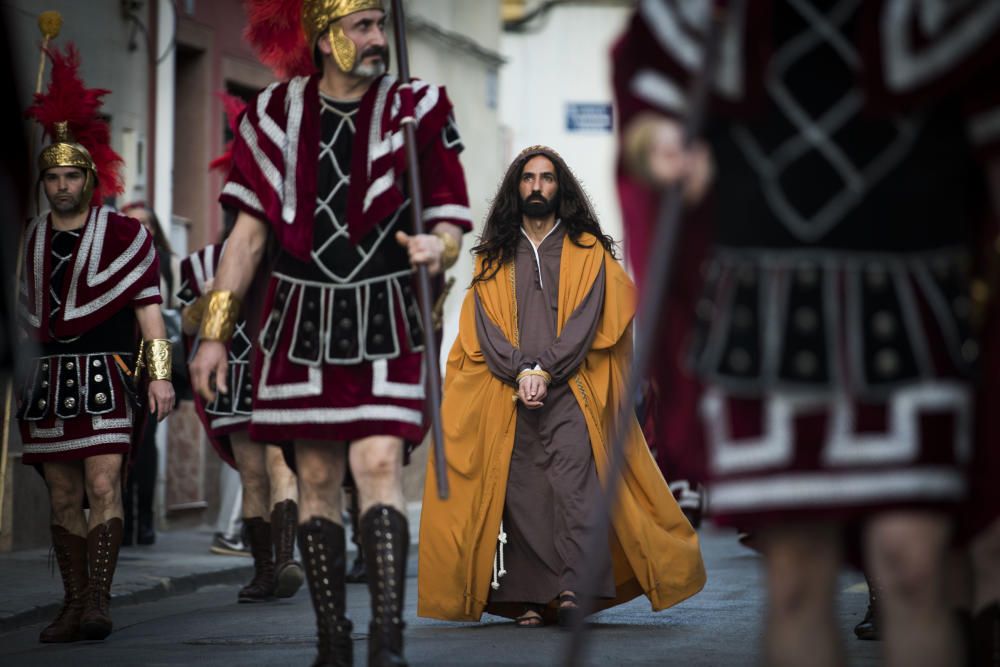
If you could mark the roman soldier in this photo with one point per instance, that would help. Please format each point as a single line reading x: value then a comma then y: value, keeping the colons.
x: 90, y: 282
x: 318, y: 163
x: 838, y: 199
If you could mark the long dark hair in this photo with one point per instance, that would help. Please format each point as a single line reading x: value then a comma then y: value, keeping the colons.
x: 502, y: 231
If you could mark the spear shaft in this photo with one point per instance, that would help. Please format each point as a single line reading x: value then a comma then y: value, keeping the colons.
x: 424, y: 291
x: 652, y: 302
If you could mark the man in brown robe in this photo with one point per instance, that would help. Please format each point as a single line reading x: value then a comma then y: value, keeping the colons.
x: 563, y: 347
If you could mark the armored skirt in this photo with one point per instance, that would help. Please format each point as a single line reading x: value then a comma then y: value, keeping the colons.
x: 339, y: 363
x: 75, y: 406
x: 228, y: 413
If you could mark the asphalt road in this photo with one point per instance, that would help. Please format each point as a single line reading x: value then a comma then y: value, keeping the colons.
x: 718, y: 627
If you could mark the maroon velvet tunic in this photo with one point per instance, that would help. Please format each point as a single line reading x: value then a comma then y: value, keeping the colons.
x: 78, y: 296
x: 552, y: 487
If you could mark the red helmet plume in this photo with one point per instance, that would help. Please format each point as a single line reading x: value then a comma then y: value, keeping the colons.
x: 275, y: 32
x: 234, y: 107
x: 69, y: 112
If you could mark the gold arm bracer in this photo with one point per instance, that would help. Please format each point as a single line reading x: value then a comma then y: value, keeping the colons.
x: 158, y: 353
x: 220, y: 316
x: 450, y: 254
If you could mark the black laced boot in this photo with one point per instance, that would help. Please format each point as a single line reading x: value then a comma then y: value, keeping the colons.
x: 322, y: 545
x: 288, y: 574
x: 385, y: 537
x: 257, y: 534
x: 986, y: 637
x: 867, y: 629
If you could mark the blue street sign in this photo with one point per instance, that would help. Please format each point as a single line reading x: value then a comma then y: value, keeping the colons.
x: 588, y: 117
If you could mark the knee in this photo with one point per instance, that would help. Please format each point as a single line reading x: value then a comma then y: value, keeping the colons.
x: 103, y: 489
x: 65, y: 498
x: 318, y: 477
x: 910, y: 571
x: 801, y: 579
x: 377, y: 464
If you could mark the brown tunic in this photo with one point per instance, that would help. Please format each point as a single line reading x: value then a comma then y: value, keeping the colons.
x: 552, y: 487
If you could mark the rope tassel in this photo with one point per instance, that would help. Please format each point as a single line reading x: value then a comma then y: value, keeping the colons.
x: 498, y: 569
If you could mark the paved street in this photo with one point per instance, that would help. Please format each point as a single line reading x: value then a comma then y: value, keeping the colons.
x: 717, y: 627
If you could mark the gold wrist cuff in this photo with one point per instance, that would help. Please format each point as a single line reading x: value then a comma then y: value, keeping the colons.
x: 450, y: 253
x: 158, y: 359
x: 531, y: 371
x: 191, y: 316
x: 220, y: 316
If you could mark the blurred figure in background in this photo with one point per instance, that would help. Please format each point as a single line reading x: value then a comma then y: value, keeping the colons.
x: 839, y: 195
x: 140, y: 486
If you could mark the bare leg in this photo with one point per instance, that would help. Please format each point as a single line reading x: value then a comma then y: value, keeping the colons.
x: 65, y: 482
x: 801, y: 564
x: 907, y: 554
x: 985, y: 551
x: 377, y: 465
x: 252, y: 464
x: 281, y: 477
x: 321, y: 474
x: 104, y: 488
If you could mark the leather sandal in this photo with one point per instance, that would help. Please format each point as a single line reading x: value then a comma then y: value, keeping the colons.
x: 531, y: 618
x: 568, y: 609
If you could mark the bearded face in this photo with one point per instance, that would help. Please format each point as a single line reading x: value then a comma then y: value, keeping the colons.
x: 538, y: 190
x: 373, y: 61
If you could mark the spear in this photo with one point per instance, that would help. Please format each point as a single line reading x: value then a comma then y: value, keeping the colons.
x: 408, y: 122
x: 652, y: 300
x: 49, y: 24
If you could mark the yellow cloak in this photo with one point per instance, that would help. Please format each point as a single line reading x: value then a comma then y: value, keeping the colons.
x: 654, y: 550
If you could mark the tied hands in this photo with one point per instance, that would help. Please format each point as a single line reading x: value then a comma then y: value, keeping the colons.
x: 532, y: 390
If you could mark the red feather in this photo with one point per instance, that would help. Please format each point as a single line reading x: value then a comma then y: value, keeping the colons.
x: 234, y: 107
x: 67, y: 99
x: 275, y: 32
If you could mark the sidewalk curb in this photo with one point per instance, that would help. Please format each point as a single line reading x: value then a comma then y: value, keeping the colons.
x: 156, y: 590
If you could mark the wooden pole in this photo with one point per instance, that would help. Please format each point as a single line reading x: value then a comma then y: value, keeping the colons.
x: 431, y: 357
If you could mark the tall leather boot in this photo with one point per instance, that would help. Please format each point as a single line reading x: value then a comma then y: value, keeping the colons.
x: 867, y: 629
x: 986, y: 637
x: 322, y: 545
x: 385, y: 536
x: 258, y: 535
x: 288, y: 572
x: 71, y: 555
x: 357, y: 574
x: 103, y: 543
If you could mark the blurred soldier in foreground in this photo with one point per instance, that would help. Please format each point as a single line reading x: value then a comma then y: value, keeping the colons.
x: 841, y: 178
x: 533, y: 382
x: 340, y: 358
x: 90, y: 277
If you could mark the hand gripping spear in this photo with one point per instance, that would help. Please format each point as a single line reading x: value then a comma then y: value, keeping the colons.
x: 652, y: 300
x: 423, y: 277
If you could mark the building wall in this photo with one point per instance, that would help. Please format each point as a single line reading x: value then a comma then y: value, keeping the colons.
x: 563, y: 58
